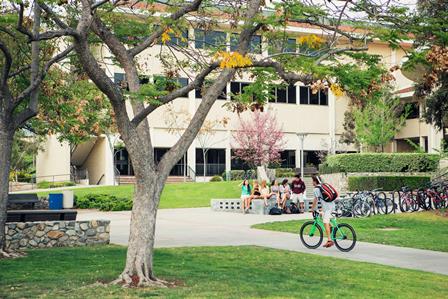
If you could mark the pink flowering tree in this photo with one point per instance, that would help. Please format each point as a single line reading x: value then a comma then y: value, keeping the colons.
x: 258, y: 140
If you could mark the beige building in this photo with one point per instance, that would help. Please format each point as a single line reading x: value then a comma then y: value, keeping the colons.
x: 320, y: 116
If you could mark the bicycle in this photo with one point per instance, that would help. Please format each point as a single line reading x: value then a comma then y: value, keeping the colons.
x: 343, y: 235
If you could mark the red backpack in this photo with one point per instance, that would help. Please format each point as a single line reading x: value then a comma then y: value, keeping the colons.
x: 329, y: 193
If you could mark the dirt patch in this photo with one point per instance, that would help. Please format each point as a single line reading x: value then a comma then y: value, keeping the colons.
x: 389, y: 229
x: 442, y: 212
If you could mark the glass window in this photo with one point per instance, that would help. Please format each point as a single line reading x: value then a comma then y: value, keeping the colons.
x: 314, y: 98
x: 222, y: 96
x: 278, y: 46
x: 323, y: 97
x: 281, y: 95
x: 304, y: 95
x: 414, y: 110
x: 292, y: 96
x: 209, y: 39
x: 255, y: 43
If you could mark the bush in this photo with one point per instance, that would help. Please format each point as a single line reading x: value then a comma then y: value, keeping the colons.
x: 216, y: 178
x: 48, y: 185
x: 103, y: 202
x: 284, y: 172
x: 381, y: 162
x: 387, y: 183
x: 235, y: 175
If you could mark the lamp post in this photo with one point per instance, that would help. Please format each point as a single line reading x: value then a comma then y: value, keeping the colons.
x: 301, y: 139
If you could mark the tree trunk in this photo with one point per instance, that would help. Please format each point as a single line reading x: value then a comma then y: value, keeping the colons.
x: 6, y: 136
x: 139, y: 260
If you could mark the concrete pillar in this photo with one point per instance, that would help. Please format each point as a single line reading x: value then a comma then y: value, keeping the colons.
x: 191, y: 156
x: 331, y: 122
x: 109, y: 167
x: 298, y: 155
x: 434, y: 139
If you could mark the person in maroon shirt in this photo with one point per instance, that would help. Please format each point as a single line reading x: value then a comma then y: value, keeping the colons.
x: 298, y: 190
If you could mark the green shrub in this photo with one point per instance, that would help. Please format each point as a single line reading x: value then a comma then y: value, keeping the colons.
x: 235, y: 175
x: 387, y: 183
x: 216, y: 178
x: 284, y: 172
x: 381, y: 162
x: 103, y: 202
x: 48, y: 185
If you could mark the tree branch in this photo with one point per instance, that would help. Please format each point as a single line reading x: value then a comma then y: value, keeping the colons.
x: 27, y: 92
x: 20, y: 26
x: 196, y: 83
x: 193, y: 6
x: 6, y: 66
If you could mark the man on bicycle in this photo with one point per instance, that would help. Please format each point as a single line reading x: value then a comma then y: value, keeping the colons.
x: 326, y: 211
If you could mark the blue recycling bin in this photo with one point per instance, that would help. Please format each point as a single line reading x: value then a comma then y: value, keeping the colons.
x: 55, y: 201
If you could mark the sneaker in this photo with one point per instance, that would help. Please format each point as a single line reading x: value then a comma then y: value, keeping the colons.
x: 328, y: 244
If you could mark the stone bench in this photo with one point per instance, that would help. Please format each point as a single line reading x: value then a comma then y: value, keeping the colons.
x: 256, y: 206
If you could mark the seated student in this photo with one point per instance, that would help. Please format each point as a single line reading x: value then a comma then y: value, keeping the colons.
x: 256, y: 193
x: 285, y: 191
x: 245, y: 195
x: 298, y: 190
x: 265, y: 193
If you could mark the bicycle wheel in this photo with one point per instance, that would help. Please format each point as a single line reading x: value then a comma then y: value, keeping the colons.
x: 311, y: 235
x: 389, y: 208
x: 380, y: 203
x: 344, y: 237
x: 404, y: 202
x: 362, y: 209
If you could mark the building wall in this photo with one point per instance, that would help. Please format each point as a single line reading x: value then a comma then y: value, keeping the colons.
x: 99, y: 163
x: 323, y: 124
x: 53, y: 163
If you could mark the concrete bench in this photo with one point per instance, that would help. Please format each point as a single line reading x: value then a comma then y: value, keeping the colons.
x: 40, y: 215
x: 256, y: 206
x: 234, y: 205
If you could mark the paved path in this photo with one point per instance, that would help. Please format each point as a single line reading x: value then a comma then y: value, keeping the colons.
x: 202, y: 227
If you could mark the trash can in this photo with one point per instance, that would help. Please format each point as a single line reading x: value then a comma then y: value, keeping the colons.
x: 67, y: 202
x: 55, y: 201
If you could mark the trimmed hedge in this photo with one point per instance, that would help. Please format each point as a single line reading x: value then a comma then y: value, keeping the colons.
x: 284, y: 172
x: 381, y: 162
x: 387, y: 183
x: 103, y: 202
x: 235, y: 175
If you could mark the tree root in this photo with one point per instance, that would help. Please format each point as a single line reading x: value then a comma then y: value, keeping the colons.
x: 11, y: 254
x: 133, y: 281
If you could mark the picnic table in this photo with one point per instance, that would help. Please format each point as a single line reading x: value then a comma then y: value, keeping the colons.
x: 40, y: 215
x: 23, y: 200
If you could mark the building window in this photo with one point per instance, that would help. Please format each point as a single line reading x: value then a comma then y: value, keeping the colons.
x: 178, y: 169
x: 413, y: 110
x: 255, y: 43
x: 178, y: 38
x: 209, y: 39
x: 216, y: 162
x: 284, y: 95
x: 308, y: 98
x: 170, y: 84
x: 278, y: 46
x: 236, y: 163
x: 222, y: 95
x: 237, y: 88
x: 288, y: 159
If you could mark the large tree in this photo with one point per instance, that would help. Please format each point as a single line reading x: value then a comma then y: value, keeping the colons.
x: 26, y: 54
x: 127, y: 32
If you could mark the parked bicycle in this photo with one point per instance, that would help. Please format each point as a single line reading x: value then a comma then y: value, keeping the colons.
x: 342, y: 234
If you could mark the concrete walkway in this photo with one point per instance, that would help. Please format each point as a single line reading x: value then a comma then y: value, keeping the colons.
x: 202, y: 227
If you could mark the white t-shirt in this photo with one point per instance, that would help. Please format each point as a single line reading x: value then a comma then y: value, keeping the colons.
x: 326, y: 206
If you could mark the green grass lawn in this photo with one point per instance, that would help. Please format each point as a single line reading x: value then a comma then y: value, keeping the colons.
x: 182, y: 195
x: 204, y: 272
x: 424, y: 230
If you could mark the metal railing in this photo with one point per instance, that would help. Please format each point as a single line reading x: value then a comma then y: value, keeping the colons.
x: 210, y: 169
x: 35, y: 181
x: 191, y: 174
